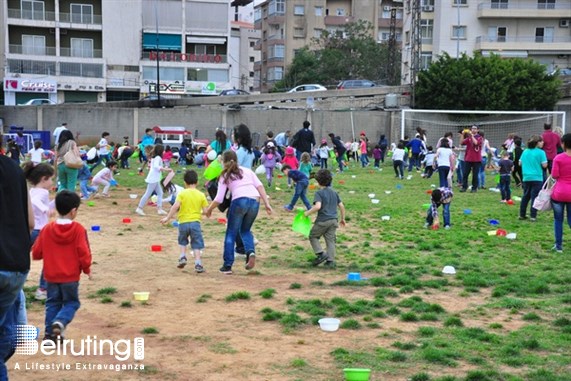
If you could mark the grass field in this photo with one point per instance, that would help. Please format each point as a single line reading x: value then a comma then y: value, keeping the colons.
x: 505, y: 315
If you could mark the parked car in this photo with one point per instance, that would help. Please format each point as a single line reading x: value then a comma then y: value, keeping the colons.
x: 229, y: 92
x: 38, y: 102
x: 355, y: 84
x: 304, y: 88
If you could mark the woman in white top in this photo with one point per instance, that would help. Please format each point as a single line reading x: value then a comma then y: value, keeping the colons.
x: 153, y: 181
x: 445, y: 161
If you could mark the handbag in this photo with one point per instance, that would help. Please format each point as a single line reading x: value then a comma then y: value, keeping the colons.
x: 543, y: 200
x: 212, y: 189
x: 71, y: 160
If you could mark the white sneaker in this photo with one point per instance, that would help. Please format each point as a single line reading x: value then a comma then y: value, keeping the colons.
x: 140, y: 212
x: 41, y: 294
x: 161, y: 212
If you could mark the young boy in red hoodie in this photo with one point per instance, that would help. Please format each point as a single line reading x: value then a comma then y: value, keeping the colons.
x: 64, y: 247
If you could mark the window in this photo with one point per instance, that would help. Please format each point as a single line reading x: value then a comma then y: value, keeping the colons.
x: 276, y: 7
x: 275, y: 73
x: 425, y: 3
x: 211, y: 75
x: 317, y: 33
x: 251, y: 74
x: 460, y: 2
x: 81, y: 13
x: 459, y: 32
x: 426, y: 28
x: 298, y: 32
x: 298, y: 10
x: 425, y: 60
x: 340, y: 12
x: 276, y: 51
x: 252, y: 44
x: 81, y: 47
x: 33, y: 45
x: 32, y: 10
x: 497, y: 33
x: 252, y: 59
x: 544, y: 34
x: 257, y: 14
x: 319, y: 11
x: 499, y: 4
x: 205, y: 49
x: 546, y: 4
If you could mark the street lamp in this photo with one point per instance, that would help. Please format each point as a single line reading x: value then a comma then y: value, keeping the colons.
x: 158, y: 87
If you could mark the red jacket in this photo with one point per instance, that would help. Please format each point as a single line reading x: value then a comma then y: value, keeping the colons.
x: 65, y: 251
x: 473, y: 154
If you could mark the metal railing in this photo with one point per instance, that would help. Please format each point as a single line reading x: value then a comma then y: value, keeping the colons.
x: 75, y: 18
x: 70, y: 69
x: 32, y: 51
x: 81, y: 53
x: 561, y: 4
x: 524, y: 39
x: 79, y: 18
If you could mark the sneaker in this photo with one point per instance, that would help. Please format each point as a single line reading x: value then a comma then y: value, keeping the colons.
x: 522, y: 218
x: 504, y: 201
x: 198, y: 268
x: 181, y: 262
x: 447, y: 227
x: 532, y: 219
x: 48, y: 337
x: 57, y: 329
x: 41, y: 294
x: 557, y: 249
x: 140, y: 212
x: 161, y: 212
x: 288, y: 208
x: 426, y: 225
x: 250, y: 261
x: 226, y: 270
x: 330, y: 264
x: 319, y: 260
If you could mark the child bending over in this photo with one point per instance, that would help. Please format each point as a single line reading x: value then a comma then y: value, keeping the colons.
x: 301, y: 183
x: 440, y: 196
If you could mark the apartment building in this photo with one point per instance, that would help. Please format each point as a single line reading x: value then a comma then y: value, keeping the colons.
x: 99, y: 50
x: 244, y: 55
x: 535, y: 29
x: 287, y: 26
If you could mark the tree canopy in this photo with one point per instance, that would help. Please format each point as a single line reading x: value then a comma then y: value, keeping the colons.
x: 486, y: 83
x: 335, y: 56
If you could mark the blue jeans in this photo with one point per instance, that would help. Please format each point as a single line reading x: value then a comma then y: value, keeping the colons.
x: 505, y: 181
x: 62, y: 303
x: 413, y: 161
x: 482, y: 173
x: 323, y: 163
x: 67, y: 177
x: 86, y: 189
x: 558, y: 210
x: 100, y: 158
x: 443, y: 176
x: 398, y: 166
x: 460, y: 171
x: 530, y: 191
x: 340, y: 162
x: 445, y: 213
x: 300, y: 192
x: 241, y: 216
x: 364, y: 160
x: 192, y: 230
x: 33, y: 236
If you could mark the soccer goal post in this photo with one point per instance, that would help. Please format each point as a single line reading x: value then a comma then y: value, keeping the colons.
x: 496, y: 125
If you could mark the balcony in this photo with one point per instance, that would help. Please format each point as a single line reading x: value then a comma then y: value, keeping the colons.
x: 185, y: 57
x: 386, y: 23
x: 73, y: 18
x: 30, y: 15
x: 524, y: 43
x: 338, y: 20
x: 32, y: 51
x: 559, y: 10
x: 93, y: 53
x: 70, y: 69
x: 78, y: 18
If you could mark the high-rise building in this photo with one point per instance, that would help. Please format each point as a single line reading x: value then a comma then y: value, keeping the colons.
x: 98, y: 50
x: 535, y: 29
x: 287, y: 26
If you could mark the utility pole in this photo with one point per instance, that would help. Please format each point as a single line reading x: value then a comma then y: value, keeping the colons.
x: 416, y: 46
x: 158, y: 86
x: 393, y: 77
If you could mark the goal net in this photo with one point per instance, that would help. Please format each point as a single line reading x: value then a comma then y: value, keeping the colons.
x: 496, y: 125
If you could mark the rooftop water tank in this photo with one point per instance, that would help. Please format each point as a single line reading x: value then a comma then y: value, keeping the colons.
x: 391, y: 101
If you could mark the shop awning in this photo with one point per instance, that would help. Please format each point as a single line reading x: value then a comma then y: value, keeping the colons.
x: 166, y: 41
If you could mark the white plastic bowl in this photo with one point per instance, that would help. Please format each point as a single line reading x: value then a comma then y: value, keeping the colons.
x: 141, y: 296
x: 386, y: 218
x: 329, y: 324
x: 450, y: 270
x: 352, y: 192
x: 371, y: 195
x: 388, y: 192
x: 511, y: 236
x: 133, y: 196
x: 374, y: 201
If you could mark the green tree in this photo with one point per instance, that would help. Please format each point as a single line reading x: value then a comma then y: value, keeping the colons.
x: 486, y: 83
x: 335, y: 56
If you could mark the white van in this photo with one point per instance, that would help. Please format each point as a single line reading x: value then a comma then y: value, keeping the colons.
x: 172, y: 136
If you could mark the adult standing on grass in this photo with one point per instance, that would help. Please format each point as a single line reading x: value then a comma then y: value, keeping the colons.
x: 551, y: 144
x: 282, y: 140
x: 246, y: 191
x: 303, y: 140
x: 243, y: 139
x: 67, y: 177
x: 561, y: 196
x: 16, y: 222
x: 472, y: 158
x: 533, y: 161
x: 57, y: 133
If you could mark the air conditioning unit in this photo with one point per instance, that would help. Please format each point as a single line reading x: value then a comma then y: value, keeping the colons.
x: 428, y: 8
x: 387, y: 8
x: 564, y: 23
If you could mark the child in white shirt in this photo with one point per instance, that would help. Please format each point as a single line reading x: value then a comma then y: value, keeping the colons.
x: 398, y: 160
x: 36, y: 154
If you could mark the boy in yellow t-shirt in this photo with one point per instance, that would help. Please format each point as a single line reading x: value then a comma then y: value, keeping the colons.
x: 190, y: 204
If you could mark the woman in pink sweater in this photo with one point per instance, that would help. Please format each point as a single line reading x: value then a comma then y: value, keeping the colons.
x: 561, y: 196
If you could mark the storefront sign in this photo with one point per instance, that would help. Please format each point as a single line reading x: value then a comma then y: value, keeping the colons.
x: 30, y: 85
x: 185, y: 57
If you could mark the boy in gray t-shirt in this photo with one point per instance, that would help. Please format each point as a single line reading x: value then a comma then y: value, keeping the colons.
x: 325, y: 204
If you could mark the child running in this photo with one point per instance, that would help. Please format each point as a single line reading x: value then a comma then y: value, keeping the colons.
x: 153, y: 181
x: 270, y: 158
x: 323, y: 153
x: 440, y: 196
x: 398, y: 160
x: 105, y: 177
x: 36, y: 154
x: 506, y: 168
x: 40, y: 178
x: 290, y: 159
x: 190, y: 204
x: 325, y: 203
x: 64, y: 247
x: 301, y: 183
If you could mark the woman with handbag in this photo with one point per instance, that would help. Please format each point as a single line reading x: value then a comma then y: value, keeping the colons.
x: 68, y: 161
x: 561, y: 196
